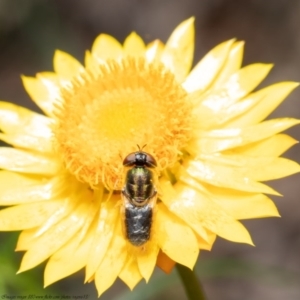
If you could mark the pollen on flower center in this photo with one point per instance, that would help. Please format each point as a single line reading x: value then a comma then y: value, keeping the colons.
x: 105, y: 115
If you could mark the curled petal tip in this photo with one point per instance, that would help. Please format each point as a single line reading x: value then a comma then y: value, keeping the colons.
x: 191, y: 20
x: 19, y: 271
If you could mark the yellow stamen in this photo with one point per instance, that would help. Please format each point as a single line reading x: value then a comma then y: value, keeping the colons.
x: 104, y: 117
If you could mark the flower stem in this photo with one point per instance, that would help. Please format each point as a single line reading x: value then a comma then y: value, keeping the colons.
x: 191, y: 283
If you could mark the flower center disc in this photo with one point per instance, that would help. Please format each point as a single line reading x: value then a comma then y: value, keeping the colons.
x: 104, y: 117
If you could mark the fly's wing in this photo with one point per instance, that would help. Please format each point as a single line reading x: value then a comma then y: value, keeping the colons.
x: 152, y: 200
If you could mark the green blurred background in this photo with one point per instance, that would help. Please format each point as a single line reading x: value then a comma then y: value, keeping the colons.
x: 31, y: 30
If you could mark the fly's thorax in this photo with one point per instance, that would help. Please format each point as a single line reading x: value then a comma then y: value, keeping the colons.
x: 139, y: 185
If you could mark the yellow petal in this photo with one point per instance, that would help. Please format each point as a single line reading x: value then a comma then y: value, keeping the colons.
x: 14, y: 119
x: 175, y: 238
x: 28, y: 238
x: 198, y: 207
x: 134, y: 45
x: 66, y: 65
x: 107, y: 47
x: 130, y: 274
x: 69, y: 259
x: 221, y: 117
x: 211, y: 236
x: 57, y: 236
x: 263, y: 103
x: 206, y: 245
x: 108, y: 218
x: 112, y: 263
x: 92, y: 215
x: 147, y: 257
x: 168, y: 196
x: 179, y: 50
x: 213, y: 106
x: 245, y: 80
x: 68, y: 204
x: 259, y: 168
x: 165, y: 262
x: 30, y: 142
x: 26, y: 216
x: 279, y: 168
x: 235, y: 232
x: 154, y: 51
x: 224, y: 139
x: 25, y: 162
x: 25, y: 239
x: 232, y: 64
x: 91, y: 63
x: 224, y: 176
x: 273, y: 146
x: 235, y: 87
x: 88, y: 59
x: 208, y: 68
x: 242, y: 205
x: 39, y: 93
x: 30, y: 189
x: 53, y: 83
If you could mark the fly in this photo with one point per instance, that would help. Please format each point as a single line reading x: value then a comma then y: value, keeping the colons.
x: 139, y: 197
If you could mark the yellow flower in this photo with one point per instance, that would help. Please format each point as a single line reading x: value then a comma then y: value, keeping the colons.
x: 205, y: 128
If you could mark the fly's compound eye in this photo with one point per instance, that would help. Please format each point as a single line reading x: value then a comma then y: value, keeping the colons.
x: 150, y: 161
x: 129, y: 160
x: 141, y: 159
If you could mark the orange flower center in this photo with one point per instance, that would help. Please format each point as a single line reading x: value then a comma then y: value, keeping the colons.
x: 105, y: 115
